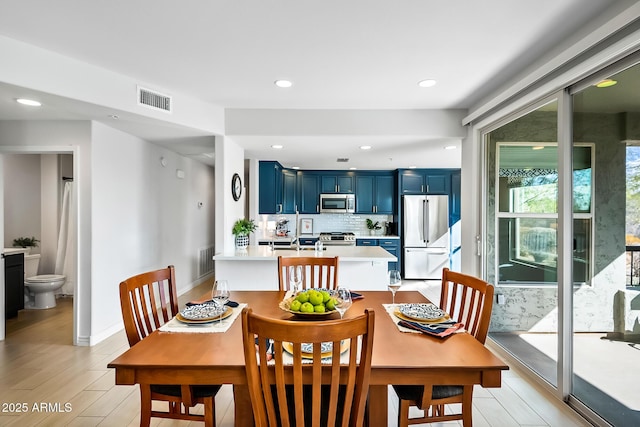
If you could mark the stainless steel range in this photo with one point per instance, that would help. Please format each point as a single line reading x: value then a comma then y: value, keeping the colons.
x: 338, y: 239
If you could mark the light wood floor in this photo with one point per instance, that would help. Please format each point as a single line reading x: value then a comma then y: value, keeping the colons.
x: 46, y: 381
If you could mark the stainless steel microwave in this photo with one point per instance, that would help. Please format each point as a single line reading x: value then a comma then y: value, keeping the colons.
x: 337, y: 203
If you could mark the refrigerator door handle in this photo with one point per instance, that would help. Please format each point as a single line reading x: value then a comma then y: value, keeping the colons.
x: 425, y: 213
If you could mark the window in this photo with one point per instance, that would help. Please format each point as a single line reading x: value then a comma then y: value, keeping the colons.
x: 527, y: 194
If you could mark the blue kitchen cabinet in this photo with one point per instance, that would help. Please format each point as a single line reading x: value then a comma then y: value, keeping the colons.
x: 332, y: 183
x: 393, y: 247
x: 309, y: 190
x: 366, y: 242
x: 411, y: 182
x: 307, y: 241
x: 437, y: 183
x: 425, y: 181
x: 270, y: 187
x: 289, y: 190
x: 374, y: 194
x: 455, y: 199
x: 277, y: 189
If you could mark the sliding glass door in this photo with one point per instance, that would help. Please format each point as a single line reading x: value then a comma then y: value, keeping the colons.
x: 562, y: 221
x: 522, y: 221
x: 606, y: 348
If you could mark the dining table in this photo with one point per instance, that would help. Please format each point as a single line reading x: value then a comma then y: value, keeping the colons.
x: 398, y: 357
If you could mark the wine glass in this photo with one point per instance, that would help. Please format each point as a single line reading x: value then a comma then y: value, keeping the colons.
x: 343, y: 300
x: 220, y: 295
x: 295, y: 278
x: 394, y: 284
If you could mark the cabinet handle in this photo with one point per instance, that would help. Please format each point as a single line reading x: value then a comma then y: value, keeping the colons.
x: 427, y: 188
x: 280, y: 208
x: 422, y: 188
x: 337, y: 188
x: 317, y: 208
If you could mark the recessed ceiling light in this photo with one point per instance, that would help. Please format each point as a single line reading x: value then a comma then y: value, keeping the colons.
x: 365, y: 147
x: 114, y: 116
x: 450, y: 147
x: 29, y: 102
x: 276, y: 146
x: 283, y: 83
x: 606, y: 83
x: 427, y: 83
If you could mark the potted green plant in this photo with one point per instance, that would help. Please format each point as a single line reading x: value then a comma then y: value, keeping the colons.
x: 241, y: 229
x: 373, y: 226
x: 25, y: 242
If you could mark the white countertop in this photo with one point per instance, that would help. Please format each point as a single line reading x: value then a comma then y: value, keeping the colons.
x: 346, y: 254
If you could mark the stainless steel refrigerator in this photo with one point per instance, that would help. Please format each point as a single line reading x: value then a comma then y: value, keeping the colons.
x: 425, y: 222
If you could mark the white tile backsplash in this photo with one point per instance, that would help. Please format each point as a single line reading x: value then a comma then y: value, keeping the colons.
x: 355, y: 223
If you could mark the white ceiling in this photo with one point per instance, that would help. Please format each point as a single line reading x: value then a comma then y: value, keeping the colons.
x: 355, y: 54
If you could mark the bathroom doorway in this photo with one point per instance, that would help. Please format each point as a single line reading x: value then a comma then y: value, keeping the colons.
x: 49, y: 173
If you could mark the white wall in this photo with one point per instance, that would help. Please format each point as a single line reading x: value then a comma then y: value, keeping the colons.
x: 32, y: 196
x: 229, y: 160
x: 22, y: 203
x: 144, y: 218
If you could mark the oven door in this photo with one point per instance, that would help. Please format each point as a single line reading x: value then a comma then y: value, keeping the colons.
x: 337, y: 203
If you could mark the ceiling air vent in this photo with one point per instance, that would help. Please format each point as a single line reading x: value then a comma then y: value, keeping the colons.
x: 156, y: 100
x: 342, y: 159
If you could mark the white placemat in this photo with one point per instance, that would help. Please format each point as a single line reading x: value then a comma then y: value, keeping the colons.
x: 390, y: 309
x: 175, y: 325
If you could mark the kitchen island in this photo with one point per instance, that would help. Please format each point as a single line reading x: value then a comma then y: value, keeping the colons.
x: 256, y: 268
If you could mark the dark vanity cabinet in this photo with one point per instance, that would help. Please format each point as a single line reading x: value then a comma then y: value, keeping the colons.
x: 13, y: 284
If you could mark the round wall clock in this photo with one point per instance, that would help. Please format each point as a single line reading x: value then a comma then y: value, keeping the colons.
x: 236, y: 187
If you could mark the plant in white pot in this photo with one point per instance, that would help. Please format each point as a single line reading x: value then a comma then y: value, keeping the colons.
x: 26, y: 242
x: 373, y: 226
x: 241, y: 229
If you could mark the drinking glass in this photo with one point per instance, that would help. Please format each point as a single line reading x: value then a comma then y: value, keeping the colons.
x: 220, y: 295
x: 295, y: 278
x: 394, y: 284
x: 343, y: 300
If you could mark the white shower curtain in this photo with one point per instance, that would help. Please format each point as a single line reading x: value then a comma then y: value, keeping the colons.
x: 66, y: 254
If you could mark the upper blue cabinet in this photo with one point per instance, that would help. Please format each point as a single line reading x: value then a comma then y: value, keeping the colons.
x: 270, y: 195
x: 375, y: 193
x: 309, y: 190
x: 337, y: 183
x: 278, y: 189
x: 425, y: 181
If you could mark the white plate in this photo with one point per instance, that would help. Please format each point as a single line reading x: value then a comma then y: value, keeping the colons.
x: 422, y: 311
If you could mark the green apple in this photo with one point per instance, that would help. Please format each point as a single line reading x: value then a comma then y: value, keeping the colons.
x: 319, y: 308
x: 306, y: 307
x: 315, y: 297
x: 295, y: 305
x: 303, y: 297
x: 325, y: 296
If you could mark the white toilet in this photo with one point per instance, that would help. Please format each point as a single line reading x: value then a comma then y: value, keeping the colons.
x: 42, y: 288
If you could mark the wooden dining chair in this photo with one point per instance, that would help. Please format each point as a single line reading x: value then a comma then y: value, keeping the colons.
x: 148, y: 301
x: 467, y: 300
x: 318, y: 272
x: 304, y: 389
